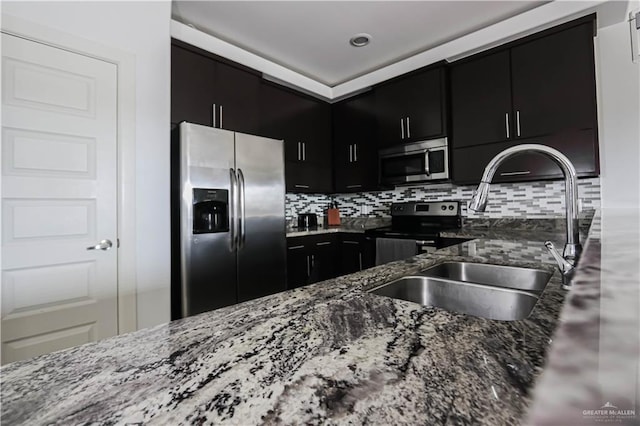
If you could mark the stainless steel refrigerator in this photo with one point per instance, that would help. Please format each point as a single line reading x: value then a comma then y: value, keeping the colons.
x: 228, y: 222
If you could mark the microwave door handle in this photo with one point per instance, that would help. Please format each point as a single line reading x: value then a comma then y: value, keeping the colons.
x: 426, y: 163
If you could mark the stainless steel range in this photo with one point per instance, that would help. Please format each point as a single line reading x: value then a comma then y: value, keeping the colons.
x: 415, y: 228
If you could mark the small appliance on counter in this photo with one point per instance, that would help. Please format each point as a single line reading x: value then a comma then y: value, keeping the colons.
x: 333, y: 214
x: 415, y: 228
x: 307, y: 221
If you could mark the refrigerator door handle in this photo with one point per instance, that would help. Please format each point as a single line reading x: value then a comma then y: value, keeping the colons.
x: 241, y: 203
x: 232, y: 209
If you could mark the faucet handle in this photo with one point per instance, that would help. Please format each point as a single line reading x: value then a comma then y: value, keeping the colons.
x: 563, y: 264
x: 566, y: 266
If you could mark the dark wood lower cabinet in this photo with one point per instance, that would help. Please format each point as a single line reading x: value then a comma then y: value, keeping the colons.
x: 357, y: 253
x: 311, y: 259
x: 315, y: 258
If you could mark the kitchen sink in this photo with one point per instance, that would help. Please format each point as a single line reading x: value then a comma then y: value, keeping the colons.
x: 511, y: 277
x: 498, y: 292
x: 457, y: 296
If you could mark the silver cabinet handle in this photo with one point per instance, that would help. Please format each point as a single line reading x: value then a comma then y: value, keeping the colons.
x: 323, y: 243
x: 313, y: 261
x: 104, y: 245
x: 360, y: 259
x: 294, y: 247
x: 308, y: 266
x: 233, y: 178
x: 402, y: 127
x: 506, y: 123
x: 408, y: 129
x: 214, y: 115
x: 351, y: 153
x: 299, y: 152
x: 515, y: 173
x: 242, y: 217
x: 221, y: 116
x: 354, y: 186
x: 302, y: 186
x: 355, y: 152
x: 350, y: 242
x: 518, y: 123
x: 304, y: 151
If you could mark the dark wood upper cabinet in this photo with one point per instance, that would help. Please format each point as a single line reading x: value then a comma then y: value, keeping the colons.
x: 355, y: 149
x: 305, y: 125
x: 537, y: 90
x: 192, y: 77
x: 212, y: 93
x: 553, y: 81
x: 412, y: 107
x: 481, y: 100
x: 236, y: 95
x: 579, y: 146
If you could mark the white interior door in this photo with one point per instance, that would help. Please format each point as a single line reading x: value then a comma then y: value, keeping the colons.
x: 59, y: 197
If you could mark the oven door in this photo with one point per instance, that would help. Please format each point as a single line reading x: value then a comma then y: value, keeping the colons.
x: 425, y: 164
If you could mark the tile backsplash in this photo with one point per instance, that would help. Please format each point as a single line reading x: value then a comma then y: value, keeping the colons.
x: 535, y: 200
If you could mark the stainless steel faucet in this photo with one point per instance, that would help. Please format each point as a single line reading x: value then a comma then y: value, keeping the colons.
x: 572, y: 249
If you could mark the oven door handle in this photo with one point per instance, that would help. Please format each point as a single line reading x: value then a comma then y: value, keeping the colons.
x: 426, y: 163
x: 425, y: 242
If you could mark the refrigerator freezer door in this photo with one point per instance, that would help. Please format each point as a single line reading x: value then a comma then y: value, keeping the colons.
x: 262, y: 246
x: 208, y: 262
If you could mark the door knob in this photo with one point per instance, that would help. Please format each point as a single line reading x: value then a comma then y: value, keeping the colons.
x: 104, y: 245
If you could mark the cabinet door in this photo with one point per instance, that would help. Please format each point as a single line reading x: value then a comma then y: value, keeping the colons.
x: 315, y: 133
x: 391, y: 113
x: 282, y: 112
x: 192, y: 77
x: 351, y: 255
x: 581, y: 147
x: 297, y: 264
x: 355, y: 157
x: 368, y: 252
x: 481, y: 100
x: 307, y: 177
x: 553, y: 81
x: 236, y: 96
x: 425, y: 105
x: 323, y: 259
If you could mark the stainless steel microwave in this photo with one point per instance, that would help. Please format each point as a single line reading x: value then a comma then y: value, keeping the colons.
x: 415, y: 162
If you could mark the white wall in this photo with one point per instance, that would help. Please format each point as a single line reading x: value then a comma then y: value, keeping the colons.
x: 618, y: 117
x: 141, y: 28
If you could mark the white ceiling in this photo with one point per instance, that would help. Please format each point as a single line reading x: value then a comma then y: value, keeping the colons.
x: 312, y: 37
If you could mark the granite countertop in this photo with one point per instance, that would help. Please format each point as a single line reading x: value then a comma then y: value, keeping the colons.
x: 326, y: 353
x: 295, y: 232
x: 348, y: 225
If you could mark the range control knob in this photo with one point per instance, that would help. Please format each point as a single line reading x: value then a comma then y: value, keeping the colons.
x: 451, y: 207
x: 443, y: 207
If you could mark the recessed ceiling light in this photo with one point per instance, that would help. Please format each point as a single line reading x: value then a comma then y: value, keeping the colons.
x: 360, y: 40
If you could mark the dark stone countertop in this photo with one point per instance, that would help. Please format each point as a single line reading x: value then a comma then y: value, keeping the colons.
x: 327, y: 353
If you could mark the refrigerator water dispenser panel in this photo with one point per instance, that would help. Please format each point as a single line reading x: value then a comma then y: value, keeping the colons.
x: 210, y: 210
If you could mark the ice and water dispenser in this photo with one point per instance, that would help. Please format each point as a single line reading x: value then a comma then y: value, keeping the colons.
x: 210, y: 210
